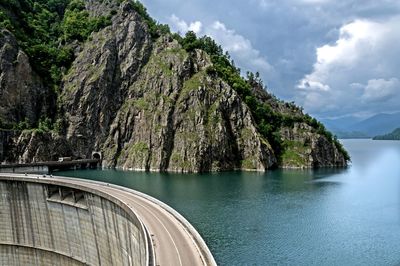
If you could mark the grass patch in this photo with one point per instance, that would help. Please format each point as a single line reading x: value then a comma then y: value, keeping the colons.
x: 294, y: 154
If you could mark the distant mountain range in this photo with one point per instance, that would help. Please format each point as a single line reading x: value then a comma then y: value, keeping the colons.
x: 350, y: 127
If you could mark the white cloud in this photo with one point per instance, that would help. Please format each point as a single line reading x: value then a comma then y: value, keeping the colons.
x: 183, y: 27
x: 358, y: 70
x: 308, y: 84
x: 354, y: 40
x: 240, y: 48
x: 381, y: 89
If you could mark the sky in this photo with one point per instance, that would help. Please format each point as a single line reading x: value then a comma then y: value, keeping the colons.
x: 336, y: 58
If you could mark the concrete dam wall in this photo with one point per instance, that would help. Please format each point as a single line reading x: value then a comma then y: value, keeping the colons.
x: 51, y: 224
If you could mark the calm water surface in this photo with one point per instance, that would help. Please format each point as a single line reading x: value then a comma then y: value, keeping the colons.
x: 324, y: 217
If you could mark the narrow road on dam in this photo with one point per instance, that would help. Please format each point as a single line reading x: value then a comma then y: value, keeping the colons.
x: 175, y: 241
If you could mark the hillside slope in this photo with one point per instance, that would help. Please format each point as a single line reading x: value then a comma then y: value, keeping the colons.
x: 395, y: 135
x: 146, y: 98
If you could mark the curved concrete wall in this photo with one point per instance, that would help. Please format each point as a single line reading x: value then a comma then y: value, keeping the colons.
x: 44, y: 224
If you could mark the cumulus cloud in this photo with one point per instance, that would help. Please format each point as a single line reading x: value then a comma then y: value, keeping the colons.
x: 381, y: 89
x: 240, y: 48
x: 355, y: 73
x: 183, y: 27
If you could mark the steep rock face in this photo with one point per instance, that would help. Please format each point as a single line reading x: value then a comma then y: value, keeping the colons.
x: 32, y: 146
x: 302, y: 147
x: 98, y: 81
x: 151, y: 106
x: 306, y: 148
x: 177, y: 118
x: 22, y: 93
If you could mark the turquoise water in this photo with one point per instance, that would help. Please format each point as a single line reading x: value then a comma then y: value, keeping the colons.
x: 324, y: 217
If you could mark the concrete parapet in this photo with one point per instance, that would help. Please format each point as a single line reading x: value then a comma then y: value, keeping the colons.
x: 72, y: 226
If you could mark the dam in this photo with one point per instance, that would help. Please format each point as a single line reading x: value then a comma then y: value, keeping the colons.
x: 46, y: 220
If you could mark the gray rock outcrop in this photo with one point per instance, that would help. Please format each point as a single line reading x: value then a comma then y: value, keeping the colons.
x: 22, y: 93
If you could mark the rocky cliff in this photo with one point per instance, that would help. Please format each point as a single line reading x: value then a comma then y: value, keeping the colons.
x: 147, y: 103
x: 307, y: 149
x: 23, y: 95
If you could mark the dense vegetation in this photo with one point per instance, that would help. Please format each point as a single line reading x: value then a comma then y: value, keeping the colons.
x: 45, y: 28
x: 48, y: 31
x: 395, y: 135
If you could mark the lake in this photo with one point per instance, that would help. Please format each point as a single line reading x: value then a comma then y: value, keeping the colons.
x: 294, y: 217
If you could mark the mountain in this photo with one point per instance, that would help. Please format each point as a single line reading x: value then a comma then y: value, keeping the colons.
x: 342, y: 127
x: 83, y: 76
x: 340, y: 124
x: 395, y: 135
x: 353, y: 128
x: 351, y: 135
x: 378, y: 124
